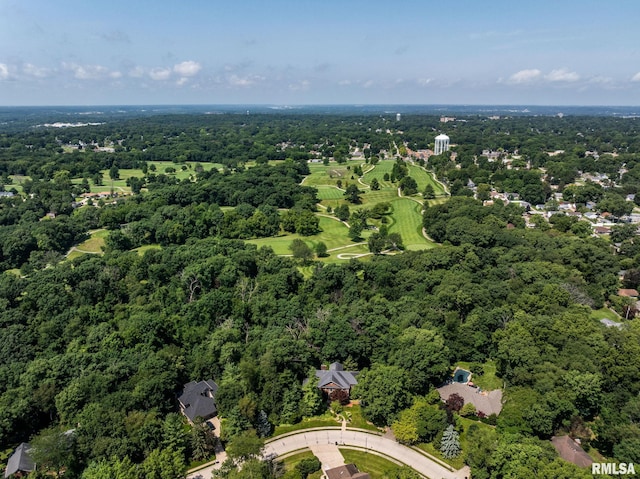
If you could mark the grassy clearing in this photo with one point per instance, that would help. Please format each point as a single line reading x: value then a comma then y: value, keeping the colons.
x: 605, y: 313
x: 406, y: 219
x: 95, y: 243
x: 484, y: 375
x: 147, y: 247
x: 377, y: 467
x: 16, y: 182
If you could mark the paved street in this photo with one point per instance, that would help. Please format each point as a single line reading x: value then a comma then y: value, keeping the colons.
x: 389, y: 447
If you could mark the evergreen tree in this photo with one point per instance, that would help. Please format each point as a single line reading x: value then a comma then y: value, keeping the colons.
x: 450, y: 443
x: 263, y: 426
x: 428, y: 193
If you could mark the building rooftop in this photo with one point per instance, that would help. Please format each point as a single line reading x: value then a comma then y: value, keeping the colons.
x: 20, y: 460
x: 349, y: 471
x: 570, y: 451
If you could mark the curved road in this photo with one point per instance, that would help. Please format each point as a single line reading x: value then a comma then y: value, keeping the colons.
x: 284, y: 445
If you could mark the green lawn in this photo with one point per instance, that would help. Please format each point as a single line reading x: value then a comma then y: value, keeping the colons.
x: 605, y: 313
x: 290, y: 462
x: 378, y: 467
x: 485, y: 376
x: 456, y: 462
x: 357, y: 420
x: 326, y: 420
x: 406, y: 219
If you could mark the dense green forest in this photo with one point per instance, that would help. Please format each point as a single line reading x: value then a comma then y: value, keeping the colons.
x: 101, y: 345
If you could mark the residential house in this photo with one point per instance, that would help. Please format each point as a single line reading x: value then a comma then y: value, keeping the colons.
x: 486, y: 402
x: 336, y: 378
x: 349, y: 471
x: 629, y: 293
x: 198, y: 400
x: 20, y: 463
x: 570, y: 451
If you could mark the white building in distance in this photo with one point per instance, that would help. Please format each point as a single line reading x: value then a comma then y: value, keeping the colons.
x: 398, y: 116
x: 442, y: 144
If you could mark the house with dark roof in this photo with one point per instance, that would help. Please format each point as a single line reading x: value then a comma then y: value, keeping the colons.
x: 336, y: 378
x: 571, y: 451
x: 348, y: 471
x: 198, y: 400
x: 20, y: 463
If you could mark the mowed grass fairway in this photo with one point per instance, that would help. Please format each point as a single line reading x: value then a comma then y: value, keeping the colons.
x: 334, y: 234
x: 424, y: 178
x: 406, y: 219
x: 382, y: 167
x: 120, y: 185
x: 329, y: 192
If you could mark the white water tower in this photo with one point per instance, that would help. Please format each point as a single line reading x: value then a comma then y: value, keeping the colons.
x: 442, y: 144
x: 398, y: 116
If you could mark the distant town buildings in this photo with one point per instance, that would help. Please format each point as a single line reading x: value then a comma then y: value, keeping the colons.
x: 442, y: 144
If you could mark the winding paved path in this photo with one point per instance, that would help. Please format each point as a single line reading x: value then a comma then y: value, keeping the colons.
x: 282, y: 445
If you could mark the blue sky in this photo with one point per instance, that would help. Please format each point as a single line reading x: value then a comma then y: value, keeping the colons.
x: 560, y: 52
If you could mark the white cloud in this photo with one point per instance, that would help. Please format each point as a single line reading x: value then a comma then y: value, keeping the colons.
x: 424, y: 81
x: 235, y: 80
x: 635, y: 77
x: 182, y: 81
x: 87, y: 72
x: 525, y: 76
x: 136, y: 72
x: 368, y: 84
x: 562, y: 75
x: 115, y: 75
x: 602, y: 80
x: 32, y: 70
x: 344, y: 82
x: 300, y: 86
x: 187, y: 69
x: 160, y: 74
x: 4, y: 71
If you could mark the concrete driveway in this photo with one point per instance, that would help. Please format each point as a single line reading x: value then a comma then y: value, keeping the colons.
x: 312, y: 438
